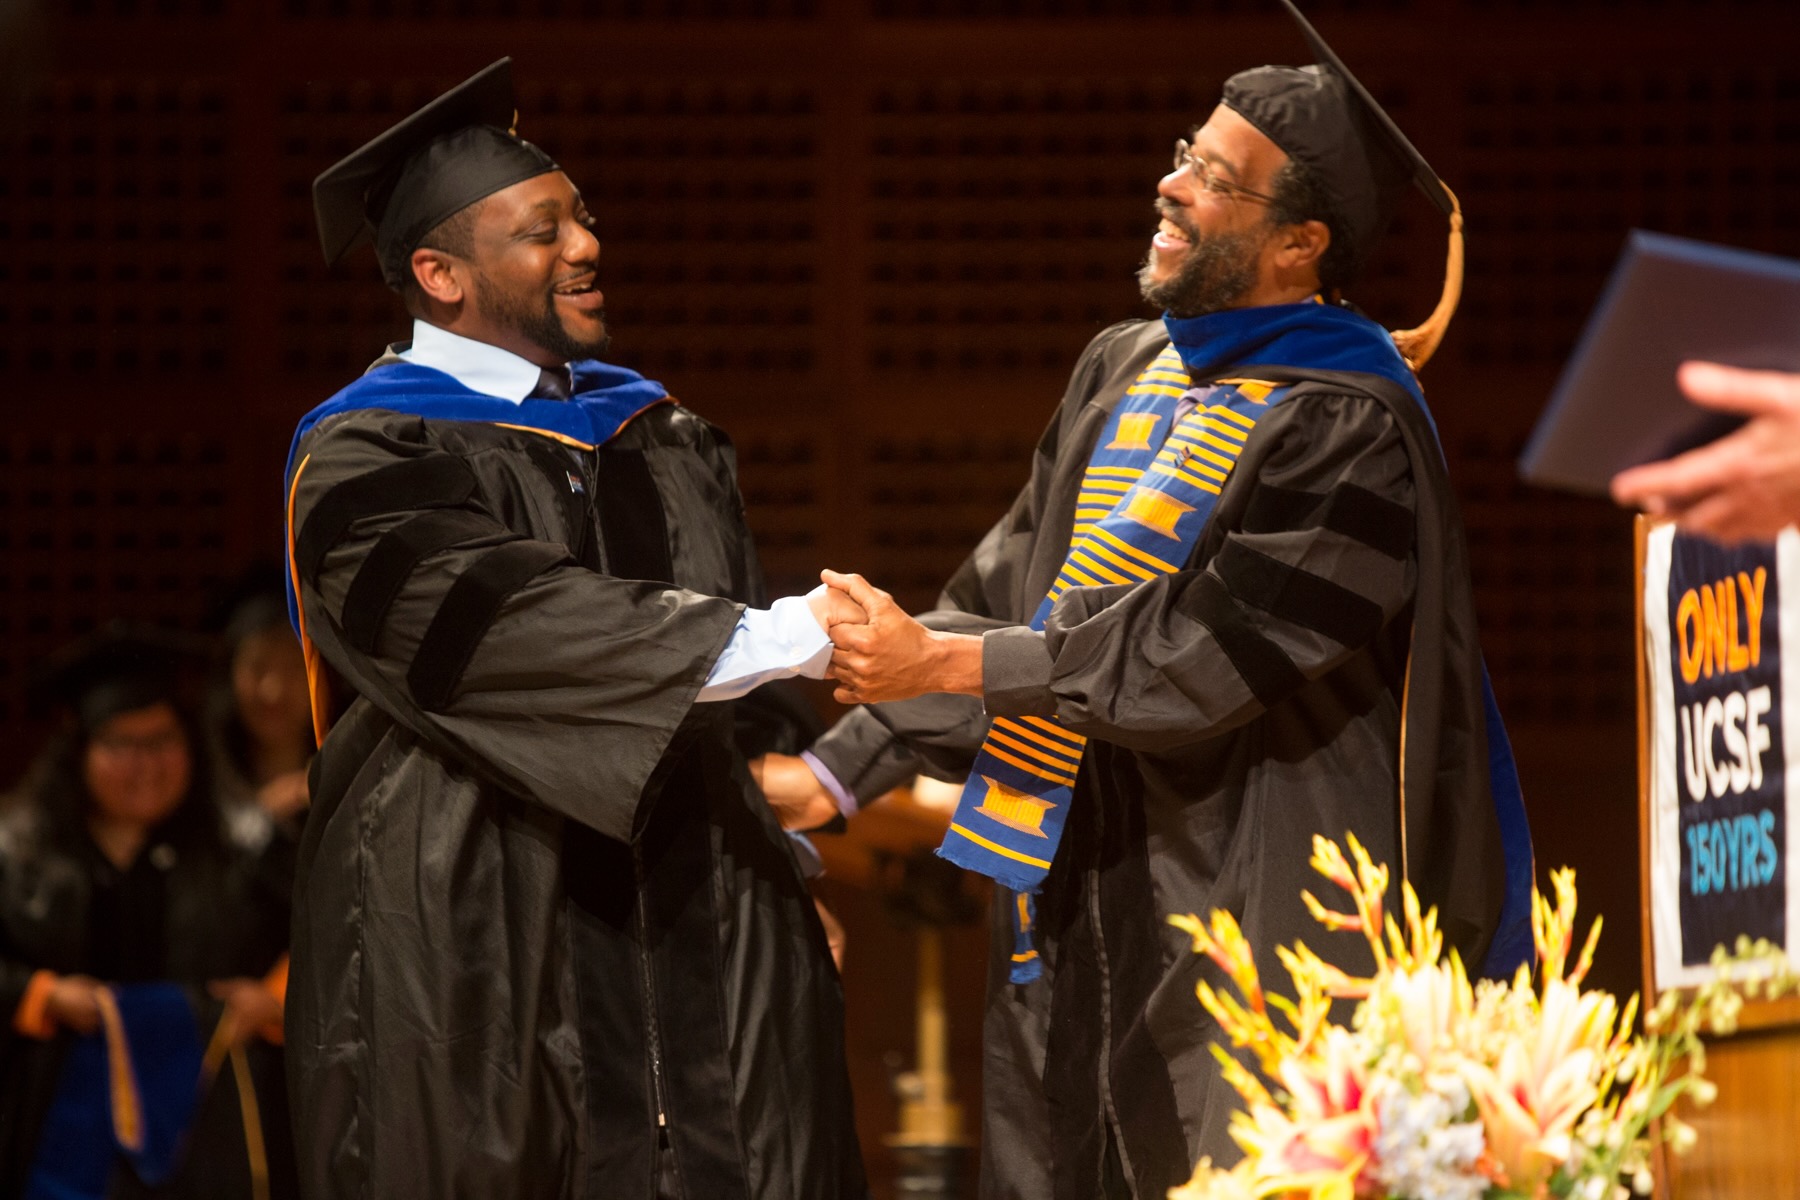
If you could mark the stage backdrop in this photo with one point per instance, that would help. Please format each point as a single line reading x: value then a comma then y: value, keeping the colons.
x: 1722, y: 639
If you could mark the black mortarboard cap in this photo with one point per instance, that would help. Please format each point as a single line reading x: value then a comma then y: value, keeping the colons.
x: 456, y: 150
x: 1324, y: 118
x: 118, y: 668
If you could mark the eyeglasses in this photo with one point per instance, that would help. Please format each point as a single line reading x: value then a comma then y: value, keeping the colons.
x: 1185, y: 157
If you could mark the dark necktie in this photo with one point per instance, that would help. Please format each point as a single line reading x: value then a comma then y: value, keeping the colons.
x: 553, y: 384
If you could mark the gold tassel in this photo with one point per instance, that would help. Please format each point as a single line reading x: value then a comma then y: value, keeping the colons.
x: 251, y: 1112
x: 218, y: 1050
x: 127, y: 1098
x: 1417, y: 345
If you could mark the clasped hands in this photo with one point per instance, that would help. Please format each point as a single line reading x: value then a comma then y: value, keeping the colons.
x: 879, y: 652
x: 882, y: 653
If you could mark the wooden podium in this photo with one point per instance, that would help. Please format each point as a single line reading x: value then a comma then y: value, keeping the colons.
x: 882, y: 865
x: 1749, y: 1137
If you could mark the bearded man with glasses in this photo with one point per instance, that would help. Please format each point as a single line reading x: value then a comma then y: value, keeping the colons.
x: 1230, y: 611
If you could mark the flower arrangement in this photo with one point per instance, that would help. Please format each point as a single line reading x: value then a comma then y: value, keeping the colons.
x: 1444, y: 1089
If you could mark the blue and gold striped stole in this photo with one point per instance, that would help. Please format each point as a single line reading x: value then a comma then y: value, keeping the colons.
x: 1149, y: 490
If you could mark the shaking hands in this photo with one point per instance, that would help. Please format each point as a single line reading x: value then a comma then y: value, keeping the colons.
x: 831, y: 607
x: 890, y: 656
x: 879, y: 653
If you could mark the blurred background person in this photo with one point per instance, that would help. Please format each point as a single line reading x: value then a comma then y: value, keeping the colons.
x: 258, y: 720
x: 120, y: 881
x: 1746, y: 485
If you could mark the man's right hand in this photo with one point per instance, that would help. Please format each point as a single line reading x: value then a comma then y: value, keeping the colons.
x: 833, y: 607
x: 72, y: 1003
x: 800, y: 801
x: 892, y: 656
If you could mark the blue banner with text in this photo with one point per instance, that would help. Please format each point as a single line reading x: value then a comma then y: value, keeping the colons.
x: 1725, y: 662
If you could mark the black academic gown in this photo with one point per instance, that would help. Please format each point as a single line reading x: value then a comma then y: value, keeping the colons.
x: 185, y: 912
x: 541, y: 903
x: 1235, y: 709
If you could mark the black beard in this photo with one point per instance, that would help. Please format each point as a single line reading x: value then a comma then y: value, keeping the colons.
x: 539, y: 325
x: 1217, y: 273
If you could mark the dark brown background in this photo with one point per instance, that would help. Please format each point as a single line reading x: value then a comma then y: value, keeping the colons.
x: 867, y: 236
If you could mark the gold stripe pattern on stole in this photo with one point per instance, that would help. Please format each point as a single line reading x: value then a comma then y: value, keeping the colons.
x: 1200, y: 451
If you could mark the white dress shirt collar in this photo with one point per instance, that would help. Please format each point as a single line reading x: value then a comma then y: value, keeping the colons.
x: 478, y: 366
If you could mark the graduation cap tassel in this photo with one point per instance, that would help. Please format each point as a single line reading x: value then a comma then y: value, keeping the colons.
x: 1417, y: 345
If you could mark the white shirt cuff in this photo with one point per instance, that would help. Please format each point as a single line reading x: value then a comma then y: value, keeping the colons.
x: 777, y: 642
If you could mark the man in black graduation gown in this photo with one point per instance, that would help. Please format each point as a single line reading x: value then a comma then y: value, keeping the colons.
x: 1230, y: 610
x: 549, y: 941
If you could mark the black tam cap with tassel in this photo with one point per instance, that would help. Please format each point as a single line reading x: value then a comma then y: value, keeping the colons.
x: 1325, y: 119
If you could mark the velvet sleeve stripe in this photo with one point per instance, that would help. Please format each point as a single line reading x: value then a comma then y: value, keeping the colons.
x: 1299, y: 597
x: 435, y: 481
x: 391, y: 562
x: 1352, y: 511
x: 1265, y: 667
x: 468, y: 609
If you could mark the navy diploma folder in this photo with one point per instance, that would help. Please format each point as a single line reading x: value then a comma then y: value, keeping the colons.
x: 1670, y: 299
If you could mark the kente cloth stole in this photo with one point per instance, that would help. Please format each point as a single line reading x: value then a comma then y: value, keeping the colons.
x: 1149, y: 490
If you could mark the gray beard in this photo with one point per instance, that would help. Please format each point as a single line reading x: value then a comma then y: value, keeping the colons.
x: 1218, y: 272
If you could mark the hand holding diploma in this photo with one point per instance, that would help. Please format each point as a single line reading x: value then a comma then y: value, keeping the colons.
x: 1744, y: 486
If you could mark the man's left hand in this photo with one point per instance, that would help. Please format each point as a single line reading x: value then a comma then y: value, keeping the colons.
x: 893, y: 657
x: 800, y: 801
x: 834, y: 933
